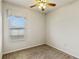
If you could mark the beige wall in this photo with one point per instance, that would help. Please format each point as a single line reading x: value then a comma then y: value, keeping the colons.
x: 0, y: 31
x: 33, y: 36
x: 63, y: 29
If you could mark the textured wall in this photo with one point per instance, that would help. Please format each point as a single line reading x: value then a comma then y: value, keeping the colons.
x: 34, y: 35
x: 63, y: 29
x: 0, y: 30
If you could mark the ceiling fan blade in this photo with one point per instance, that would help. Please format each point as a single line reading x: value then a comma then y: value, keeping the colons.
x: 51, y: 4
x: 33, y: 6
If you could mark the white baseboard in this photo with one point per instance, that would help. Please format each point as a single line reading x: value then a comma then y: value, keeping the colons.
x: 0, y: 56
x: 63, y: 51
x: 22, y: 48
x: 39, y: 45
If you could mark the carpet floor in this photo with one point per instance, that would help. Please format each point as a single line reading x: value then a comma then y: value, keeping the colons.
x: 39, y: 52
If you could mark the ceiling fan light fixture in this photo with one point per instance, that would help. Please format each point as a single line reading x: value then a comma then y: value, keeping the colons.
x: 43, y: 4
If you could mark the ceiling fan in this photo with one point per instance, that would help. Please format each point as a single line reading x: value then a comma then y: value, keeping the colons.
x: 42, y: 4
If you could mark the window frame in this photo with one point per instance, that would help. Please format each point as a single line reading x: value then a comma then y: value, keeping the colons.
x: 15, y: 28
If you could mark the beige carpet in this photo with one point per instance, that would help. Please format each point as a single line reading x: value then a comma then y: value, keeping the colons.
x: 40, y: 52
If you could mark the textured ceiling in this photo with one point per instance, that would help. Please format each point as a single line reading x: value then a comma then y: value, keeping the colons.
x: 27, y: 3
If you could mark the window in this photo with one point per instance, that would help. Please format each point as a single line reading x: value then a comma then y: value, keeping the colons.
x: 16, y: 27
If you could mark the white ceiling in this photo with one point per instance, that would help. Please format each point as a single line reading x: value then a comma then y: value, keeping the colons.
x: 27, y: 3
